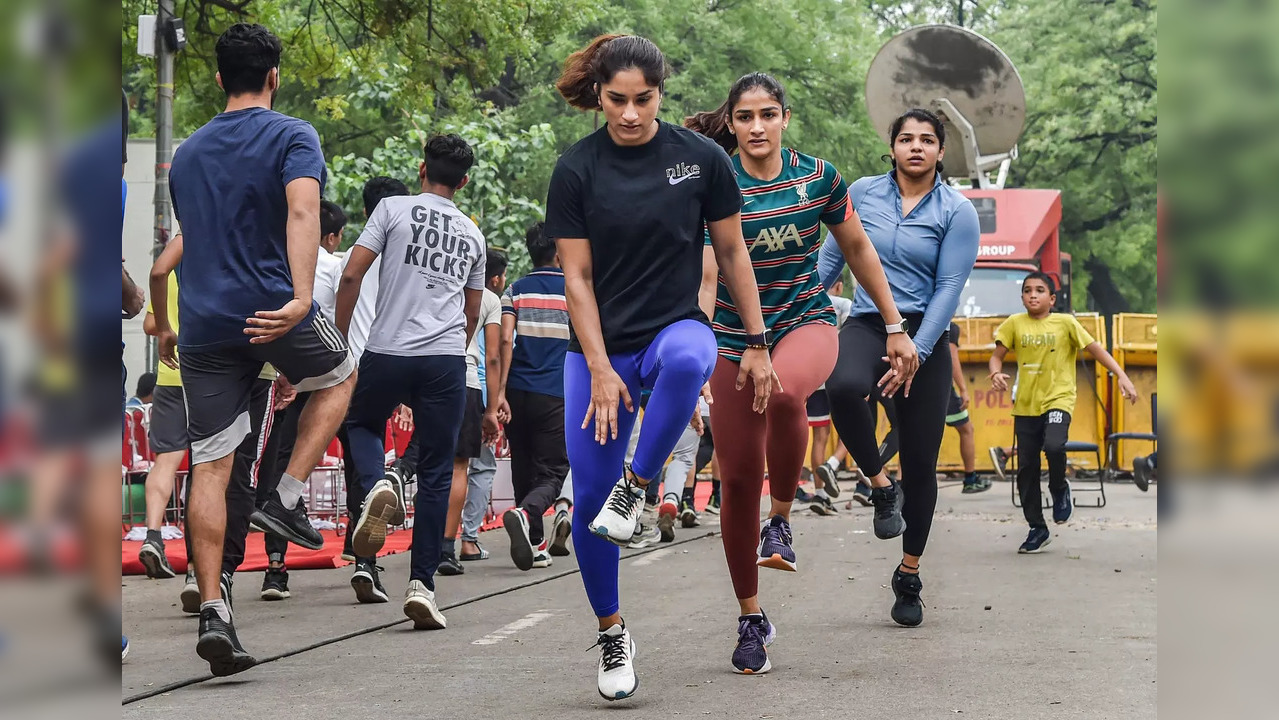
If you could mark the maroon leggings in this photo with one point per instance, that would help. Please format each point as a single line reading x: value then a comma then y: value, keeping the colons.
x: 803, y: 360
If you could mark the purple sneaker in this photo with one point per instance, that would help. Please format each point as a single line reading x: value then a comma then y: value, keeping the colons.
x: 754, y: 634
x: 774, y: 546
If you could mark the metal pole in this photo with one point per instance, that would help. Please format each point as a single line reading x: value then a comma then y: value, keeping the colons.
x: 163, y: 144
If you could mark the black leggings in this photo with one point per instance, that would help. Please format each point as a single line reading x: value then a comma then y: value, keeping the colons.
x: 1049, y: 433
x: 920, y: 421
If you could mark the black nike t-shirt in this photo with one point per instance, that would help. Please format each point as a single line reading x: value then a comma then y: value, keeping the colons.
x: 643, y: 208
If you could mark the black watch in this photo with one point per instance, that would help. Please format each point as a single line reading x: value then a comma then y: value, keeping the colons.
x: 760, y: 341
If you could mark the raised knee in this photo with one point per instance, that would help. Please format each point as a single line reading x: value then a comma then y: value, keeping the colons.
x: 688, y: 360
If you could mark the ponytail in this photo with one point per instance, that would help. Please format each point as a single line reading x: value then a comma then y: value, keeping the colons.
x: 715, y: 125
x: 603, y: 58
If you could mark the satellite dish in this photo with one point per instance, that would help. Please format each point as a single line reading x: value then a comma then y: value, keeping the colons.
x: 963, y: 77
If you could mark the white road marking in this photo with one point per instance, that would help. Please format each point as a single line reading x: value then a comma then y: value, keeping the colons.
x: 652, y: 557
x: 523, y: 623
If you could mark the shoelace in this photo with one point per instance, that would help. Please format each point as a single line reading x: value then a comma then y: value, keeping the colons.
x: 623, y: 503
x: 614, y: 650
x: 884, y: 502
x: 778, y: 533
x: 750, y: 635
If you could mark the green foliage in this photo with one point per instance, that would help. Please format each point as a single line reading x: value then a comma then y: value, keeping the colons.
x: 503, y: 153
x: 375, y: 76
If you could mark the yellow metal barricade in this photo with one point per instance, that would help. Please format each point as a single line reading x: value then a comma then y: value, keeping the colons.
x: 1136, y: 349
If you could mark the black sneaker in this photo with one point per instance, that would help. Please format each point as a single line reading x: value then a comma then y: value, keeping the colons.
x: 712, y: 505
x: 398, y: 476
x: 1062, y: 505
x: 190, y: 596
x: 1038, y: 538
x: 561, y: 531
x: 275, y: 584
x: 220, y: 647
x: 292, y: 525
x: 829, y: 481
x: 999, y: 459
x: 888, y: 511
x: 516, y: 522
x: 366, y: 582
x: 688, y: 515
x: 861, y: 493
x: 154, y: 560
x: 449, y: 564
x: 908, y: 610
x: 1141, y: 473
x: 822, y: 506
x: 348, y: 553
x: 803, y: 496
x: 226, y: 583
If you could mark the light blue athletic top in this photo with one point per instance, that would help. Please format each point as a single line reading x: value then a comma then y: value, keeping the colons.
x: 927, y: 255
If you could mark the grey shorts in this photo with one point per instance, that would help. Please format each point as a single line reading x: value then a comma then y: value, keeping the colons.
x: 168, y: 431
x: 218, y: 382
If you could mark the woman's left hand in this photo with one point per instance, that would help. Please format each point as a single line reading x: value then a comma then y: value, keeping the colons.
x: 903, y: 362
x: 758, y: 366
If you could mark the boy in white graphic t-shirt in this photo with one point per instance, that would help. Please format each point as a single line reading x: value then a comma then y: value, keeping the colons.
x: 431, y: 281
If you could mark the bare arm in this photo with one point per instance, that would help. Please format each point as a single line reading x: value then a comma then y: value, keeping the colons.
x: 710, y: 282
x: 471, y: 309
x: 998, y: 378
x: 1126, y: 388
x: 158, y: 280
x: 505, y: 349
x: 358, y: 261
x: 494, y: 375
x: 132, y: 300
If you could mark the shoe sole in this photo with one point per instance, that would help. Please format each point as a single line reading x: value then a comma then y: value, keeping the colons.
x: 768, y: 665
x: 190, y: 599
x: 712, y: 510
x: 602, y: 532
x: 347, y: 557
x: 999, y: 468
x: 422, y: 616
x: 1037, y: 550
x: 156, y: 567
x: 820, y: 509
x: 777, y: 562
x: 911, y: 623
x: 366, y: 592
x: 862, y: 500
x: 274, y: 527
x: 450, y: 571
x: 543, y: 563
x: 688, y: 519
x: 829, y: 480
x: 559, y: 540
x: 666, y: 521
x: 217, y: 650
x: 274, y: 594
x: 370, y: 532
x: 398, y: 517
x: 521, y: 547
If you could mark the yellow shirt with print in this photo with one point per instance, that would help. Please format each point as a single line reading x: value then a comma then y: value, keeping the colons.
x: 166, y: 376
x: 1046, y: 353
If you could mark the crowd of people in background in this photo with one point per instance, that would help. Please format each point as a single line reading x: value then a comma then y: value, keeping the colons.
x: 680, y: 285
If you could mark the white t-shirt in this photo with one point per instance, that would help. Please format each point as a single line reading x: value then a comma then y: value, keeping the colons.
x: 431, y: 253
x: 328, y: 272
x: 843, y: 306
x: 357, y: 335
x: 490, y: 314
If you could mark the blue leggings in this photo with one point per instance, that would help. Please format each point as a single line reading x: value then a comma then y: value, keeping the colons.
x: 674, y: 366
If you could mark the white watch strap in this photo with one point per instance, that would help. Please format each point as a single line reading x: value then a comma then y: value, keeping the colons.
x: 894, y: 328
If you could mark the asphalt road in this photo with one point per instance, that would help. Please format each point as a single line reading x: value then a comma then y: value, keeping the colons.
x: 1070, y: 633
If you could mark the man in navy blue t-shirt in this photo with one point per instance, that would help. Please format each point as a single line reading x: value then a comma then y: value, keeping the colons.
x: 535, y: 310
x: 246, y: 189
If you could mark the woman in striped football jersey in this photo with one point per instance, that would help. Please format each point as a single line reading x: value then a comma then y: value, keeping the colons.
x: 787, y: 196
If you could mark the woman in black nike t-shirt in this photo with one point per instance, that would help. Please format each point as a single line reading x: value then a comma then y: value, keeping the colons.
x: 628, y: 206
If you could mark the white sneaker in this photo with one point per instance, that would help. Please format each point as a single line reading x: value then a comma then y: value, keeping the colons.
x: 542, y: 555
x: 616, y: 520
x: 380, y: 506
x: 419, y: 606
x: 616, y: 678
x: 644, y: 536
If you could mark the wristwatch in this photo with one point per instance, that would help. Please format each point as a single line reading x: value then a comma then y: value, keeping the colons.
x: 761, y: 341
x: 895, y: 328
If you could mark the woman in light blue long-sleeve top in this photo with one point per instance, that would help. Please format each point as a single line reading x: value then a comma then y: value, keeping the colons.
x: 926, y: 234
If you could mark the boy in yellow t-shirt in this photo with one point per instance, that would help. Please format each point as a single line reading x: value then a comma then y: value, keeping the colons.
x: 1047, y: 345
